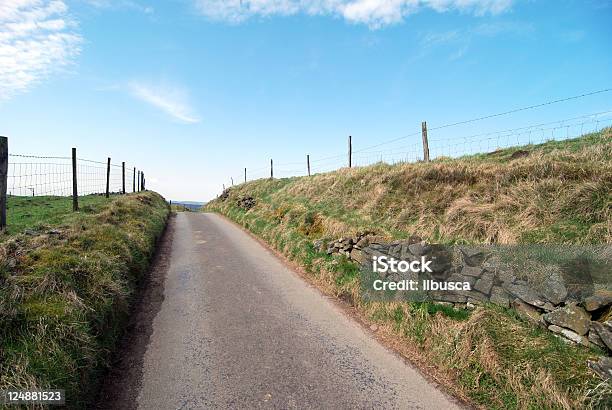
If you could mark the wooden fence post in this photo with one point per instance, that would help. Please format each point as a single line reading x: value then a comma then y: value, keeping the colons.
x: 134, y: 181
x: 107, y: 177
x: 224, y: 187
x: 123, y: 177
x: 308, y: 163
x: 232, y: 178
x: 142, y: 181
x: 271, y: 169
x: 350, y: 153
x: 75, y: 192
x: 425, y: 142
x: 245, y: 175
x: 138, y: 182
x: 3, y: 180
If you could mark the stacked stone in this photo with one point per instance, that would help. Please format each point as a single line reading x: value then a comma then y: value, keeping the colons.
x: 578, y: 314
x: 246, y: 202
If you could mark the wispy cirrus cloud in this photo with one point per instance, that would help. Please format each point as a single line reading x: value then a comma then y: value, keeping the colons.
x: 460, y: 40
x: 121, y: 5
x: 171, y: 99
x: 37, y: 38
x: 374, y: 13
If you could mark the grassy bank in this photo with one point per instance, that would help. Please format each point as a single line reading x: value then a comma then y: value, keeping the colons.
x: 552, y: 193
x: 65, y: 285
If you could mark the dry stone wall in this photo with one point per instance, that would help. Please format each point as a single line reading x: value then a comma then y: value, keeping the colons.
x: 572, y: 298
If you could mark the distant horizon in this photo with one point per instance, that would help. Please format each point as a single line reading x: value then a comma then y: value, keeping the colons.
x: 187, y: 202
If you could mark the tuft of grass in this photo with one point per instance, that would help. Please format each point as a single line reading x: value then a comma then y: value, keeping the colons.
x: 553, y: 193
x: 64, y: 295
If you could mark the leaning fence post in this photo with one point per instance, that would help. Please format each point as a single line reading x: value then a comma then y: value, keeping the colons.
x: 425, y: 142
x: 107, y: 176
x: 350, y: 151
x: 271, y: 169
x: 123, y: 177
x: 3, y: 180
x: 308, y: 163
x: 75, y: 192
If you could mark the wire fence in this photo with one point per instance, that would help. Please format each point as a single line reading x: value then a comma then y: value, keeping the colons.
x: 32, y: 175
x: 440, y: 142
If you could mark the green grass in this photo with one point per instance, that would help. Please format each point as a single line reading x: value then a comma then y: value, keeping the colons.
x: 557, y: 194
x: 65, y: 295
x: 35, y: 212
x: 179, y: 208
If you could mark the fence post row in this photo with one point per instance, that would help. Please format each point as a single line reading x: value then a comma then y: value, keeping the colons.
x: 107, y: 177
x: 308, y: 163
x: 75, y: 192
x: 3, y: 180
x: 425, y: 142
x: 350, y: 151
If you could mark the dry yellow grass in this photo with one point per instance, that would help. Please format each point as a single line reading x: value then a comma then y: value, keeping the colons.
x: 485, y: 200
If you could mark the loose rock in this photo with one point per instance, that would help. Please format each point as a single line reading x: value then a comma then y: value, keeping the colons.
x: 485, y: 283
x: 600, y: 299
x: 523, y: 291
x: 604, y: 333
x: 471, y: 271
x: 473, y: 257
x: 571, y: 317
x: 500, y: 297
x: 569, y: 335
x: 527, y: 312
x: 554, y: 290
x: 603, y: 367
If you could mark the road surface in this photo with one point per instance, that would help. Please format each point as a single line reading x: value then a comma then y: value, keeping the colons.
x: 239, y: 329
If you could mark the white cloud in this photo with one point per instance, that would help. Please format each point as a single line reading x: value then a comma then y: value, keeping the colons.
x: 121, y: 5
x: 36, y: 40
x: 172, y: 100
x: 374, y: 13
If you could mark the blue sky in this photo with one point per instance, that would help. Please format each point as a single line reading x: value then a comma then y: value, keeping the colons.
x: 193, y: 91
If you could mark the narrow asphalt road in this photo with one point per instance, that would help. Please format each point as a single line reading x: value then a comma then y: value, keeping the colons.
x: 238, y: 329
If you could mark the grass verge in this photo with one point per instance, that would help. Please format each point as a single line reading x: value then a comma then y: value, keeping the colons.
x: 65, y: 287
x: 556, y: 192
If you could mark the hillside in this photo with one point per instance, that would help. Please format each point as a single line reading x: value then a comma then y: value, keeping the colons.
x: 553, y: 193
x: 66, y: 281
